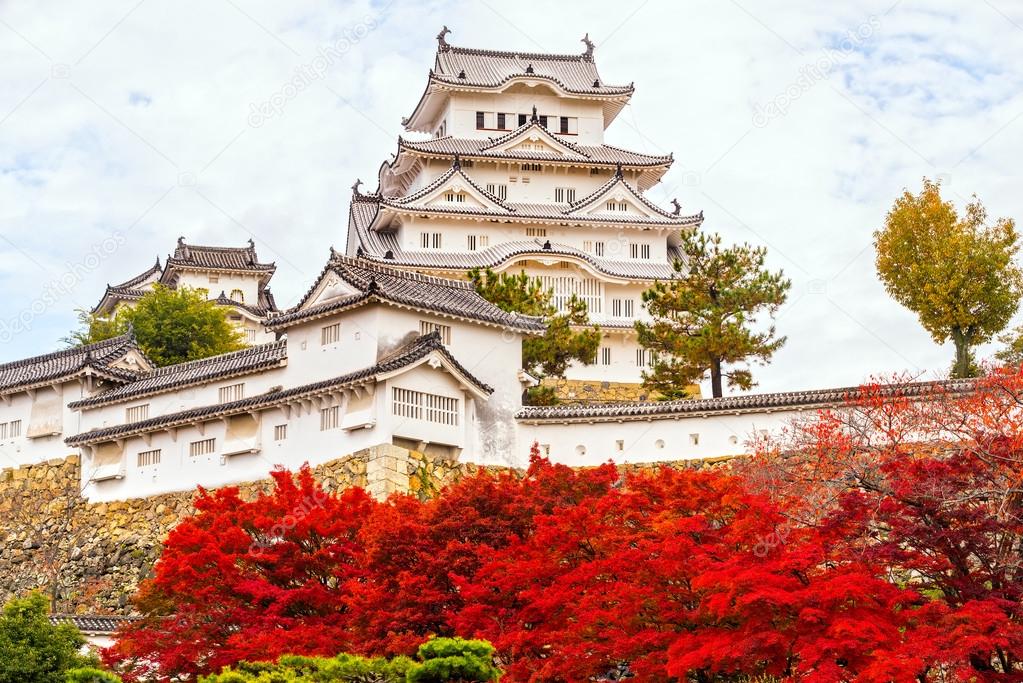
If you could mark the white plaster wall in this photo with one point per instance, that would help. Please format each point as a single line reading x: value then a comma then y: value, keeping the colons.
x: 181, y: 399
x: 249, y: 285
x: 22, y: 450
x: 520, y: 99
x: 654, y: 440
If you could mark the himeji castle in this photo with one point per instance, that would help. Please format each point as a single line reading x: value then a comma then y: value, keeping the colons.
x: 391, y: 346
x: 515, y: 176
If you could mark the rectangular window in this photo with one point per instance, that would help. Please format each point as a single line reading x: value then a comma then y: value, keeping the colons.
x: 480, y: 120
x: 214, y: 279
x: 13, y: 429
x: 233, y: 392
x: 532, y: 167
x: 617, y: 206
x: 598, y: 248
x: 417, y: 405
x: 331, y: 334
x: 543, y: 120
x: 203, y: 447
x: 499, y: 190
x: 430, y: 240
x: 471, y: 242
x: 605, y: 355
x: 426, y: 327
x: 250, y: 335
x: 330, y: 418
x: 280, y: 432
x: 563, y: 127
x: 621, y: 308
x: 595, y: 171
x: 564, y: 194
x: 639, y: 250
x: 3, y: 430
x: 149, y: 458
x: 536, y: 232
x: 522, y: 119
x: 136, y: 413
x: 694, y: 439
x: 644, y: 358
x: 501, y: 120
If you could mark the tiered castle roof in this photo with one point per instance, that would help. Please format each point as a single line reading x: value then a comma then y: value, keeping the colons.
x: 469, y: 69
x: 99, y: 359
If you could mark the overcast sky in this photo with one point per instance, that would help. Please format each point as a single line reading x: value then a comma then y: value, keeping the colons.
x: 794, y: 125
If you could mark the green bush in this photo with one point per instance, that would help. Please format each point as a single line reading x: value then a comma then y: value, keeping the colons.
x: 89, y: 674
x: 441, y: 660
x: 32, y: 650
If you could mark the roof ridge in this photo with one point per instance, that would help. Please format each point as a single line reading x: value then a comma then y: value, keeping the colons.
x: 401, y: 273
x: 553, y: 56
x: 209, y: 360
x: 62, y: 353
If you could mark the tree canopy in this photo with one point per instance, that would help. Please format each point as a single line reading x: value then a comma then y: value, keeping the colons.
x: 957, y: 272
x: 32, y: 650
x: 171, y: 325
x: 569, y: 336
x: 704, y: 319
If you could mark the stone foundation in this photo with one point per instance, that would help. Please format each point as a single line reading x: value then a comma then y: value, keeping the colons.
x: 90, y: 557
x: 595, y: 391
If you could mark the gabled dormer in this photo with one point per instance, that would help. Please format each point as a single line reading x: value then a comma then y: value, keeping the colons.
x: 533, y: 139
x: 619, y: 200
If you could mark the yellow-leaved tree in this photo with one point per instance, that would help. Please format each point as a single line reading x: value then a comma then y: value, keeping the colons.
x: 956, y: 272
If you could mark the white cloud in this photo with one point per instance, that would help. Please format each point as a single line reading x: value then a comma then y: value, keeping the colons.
x: 133, y: 117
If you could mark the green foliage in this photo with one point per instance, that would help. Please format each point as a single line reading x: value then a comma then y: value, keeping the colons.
x: 171, y: 326
x: 956, y: 272
x: 541, y: 395
x: 703, y: 318
x: 441, y: 659
x: 454, y: 659
x: 569, y: 336
x: 1012, y: 353
x: 32, y: 650
x: 91, y: 675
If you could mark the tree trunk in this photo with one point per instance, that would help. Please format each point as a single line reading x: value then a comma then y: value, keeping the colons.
x: 961, y: 340
x: 715, y: 379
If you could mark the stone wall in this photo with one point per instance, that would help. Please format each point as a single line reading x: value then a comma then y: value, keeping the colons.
x: 595, y: 391
x: 90, y: 557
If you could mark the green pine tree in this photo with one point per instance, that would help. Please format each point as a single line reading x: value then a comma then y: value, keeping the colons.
x: 704, y: 318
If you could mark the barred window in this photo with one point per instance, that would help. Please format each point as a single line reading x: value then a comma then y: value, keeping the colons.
x: 136, y: 413
x: 203, y: 447
x: 14, y: 428
x: 640, y: 250
x: 148, y: 458
x: 564, y: 194
x: 233, y: 392
x: 605, y: 355
x: 430, y: 240
x: 280, y: 432
x: 499, y: 190
x: 426, y: 327
x: 331, y: 334
x: 536, y: 232
x: 330, y: 418
x: 418, y: 405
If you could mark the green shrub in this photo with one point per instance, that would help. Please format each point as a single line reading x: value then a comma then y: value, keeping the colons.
x: 32, y: 650
x: 89, y: 674
x: 441, y: 660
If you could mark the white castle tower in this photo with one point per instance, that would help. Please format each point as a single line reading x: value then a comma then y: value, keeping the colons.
x: 516, y: 176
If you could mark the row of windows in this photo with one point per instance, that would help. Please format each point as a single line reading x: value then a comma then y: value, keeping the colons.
x: 644, y: 358
x: 430, y: 240
x: 474, y: 242
x: 236, y: 294
x: 490, y: 120
x: 10, y: 430
x: 622, y: 308
x: 617, y: 206
x: 419, y: 405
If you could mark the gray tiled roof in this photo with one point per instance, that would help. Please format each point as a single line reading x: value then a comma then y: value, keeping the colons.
x: 130, y: 289
x: 424, y: 292
x: 216, y: 258
x: 63, y: 364
x: 194, y: 372
x: 492, y: 68
x: 402, y: 357
x: 791, y: 400
x: 605, y: 155
x: 258, y: 310
x: 91, y: 624
x: 532, y: 211
x: 376, y: 245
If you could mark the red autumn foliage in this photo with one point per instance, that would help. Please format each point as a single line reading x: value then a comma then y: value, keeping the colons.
x: 878, y: 543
